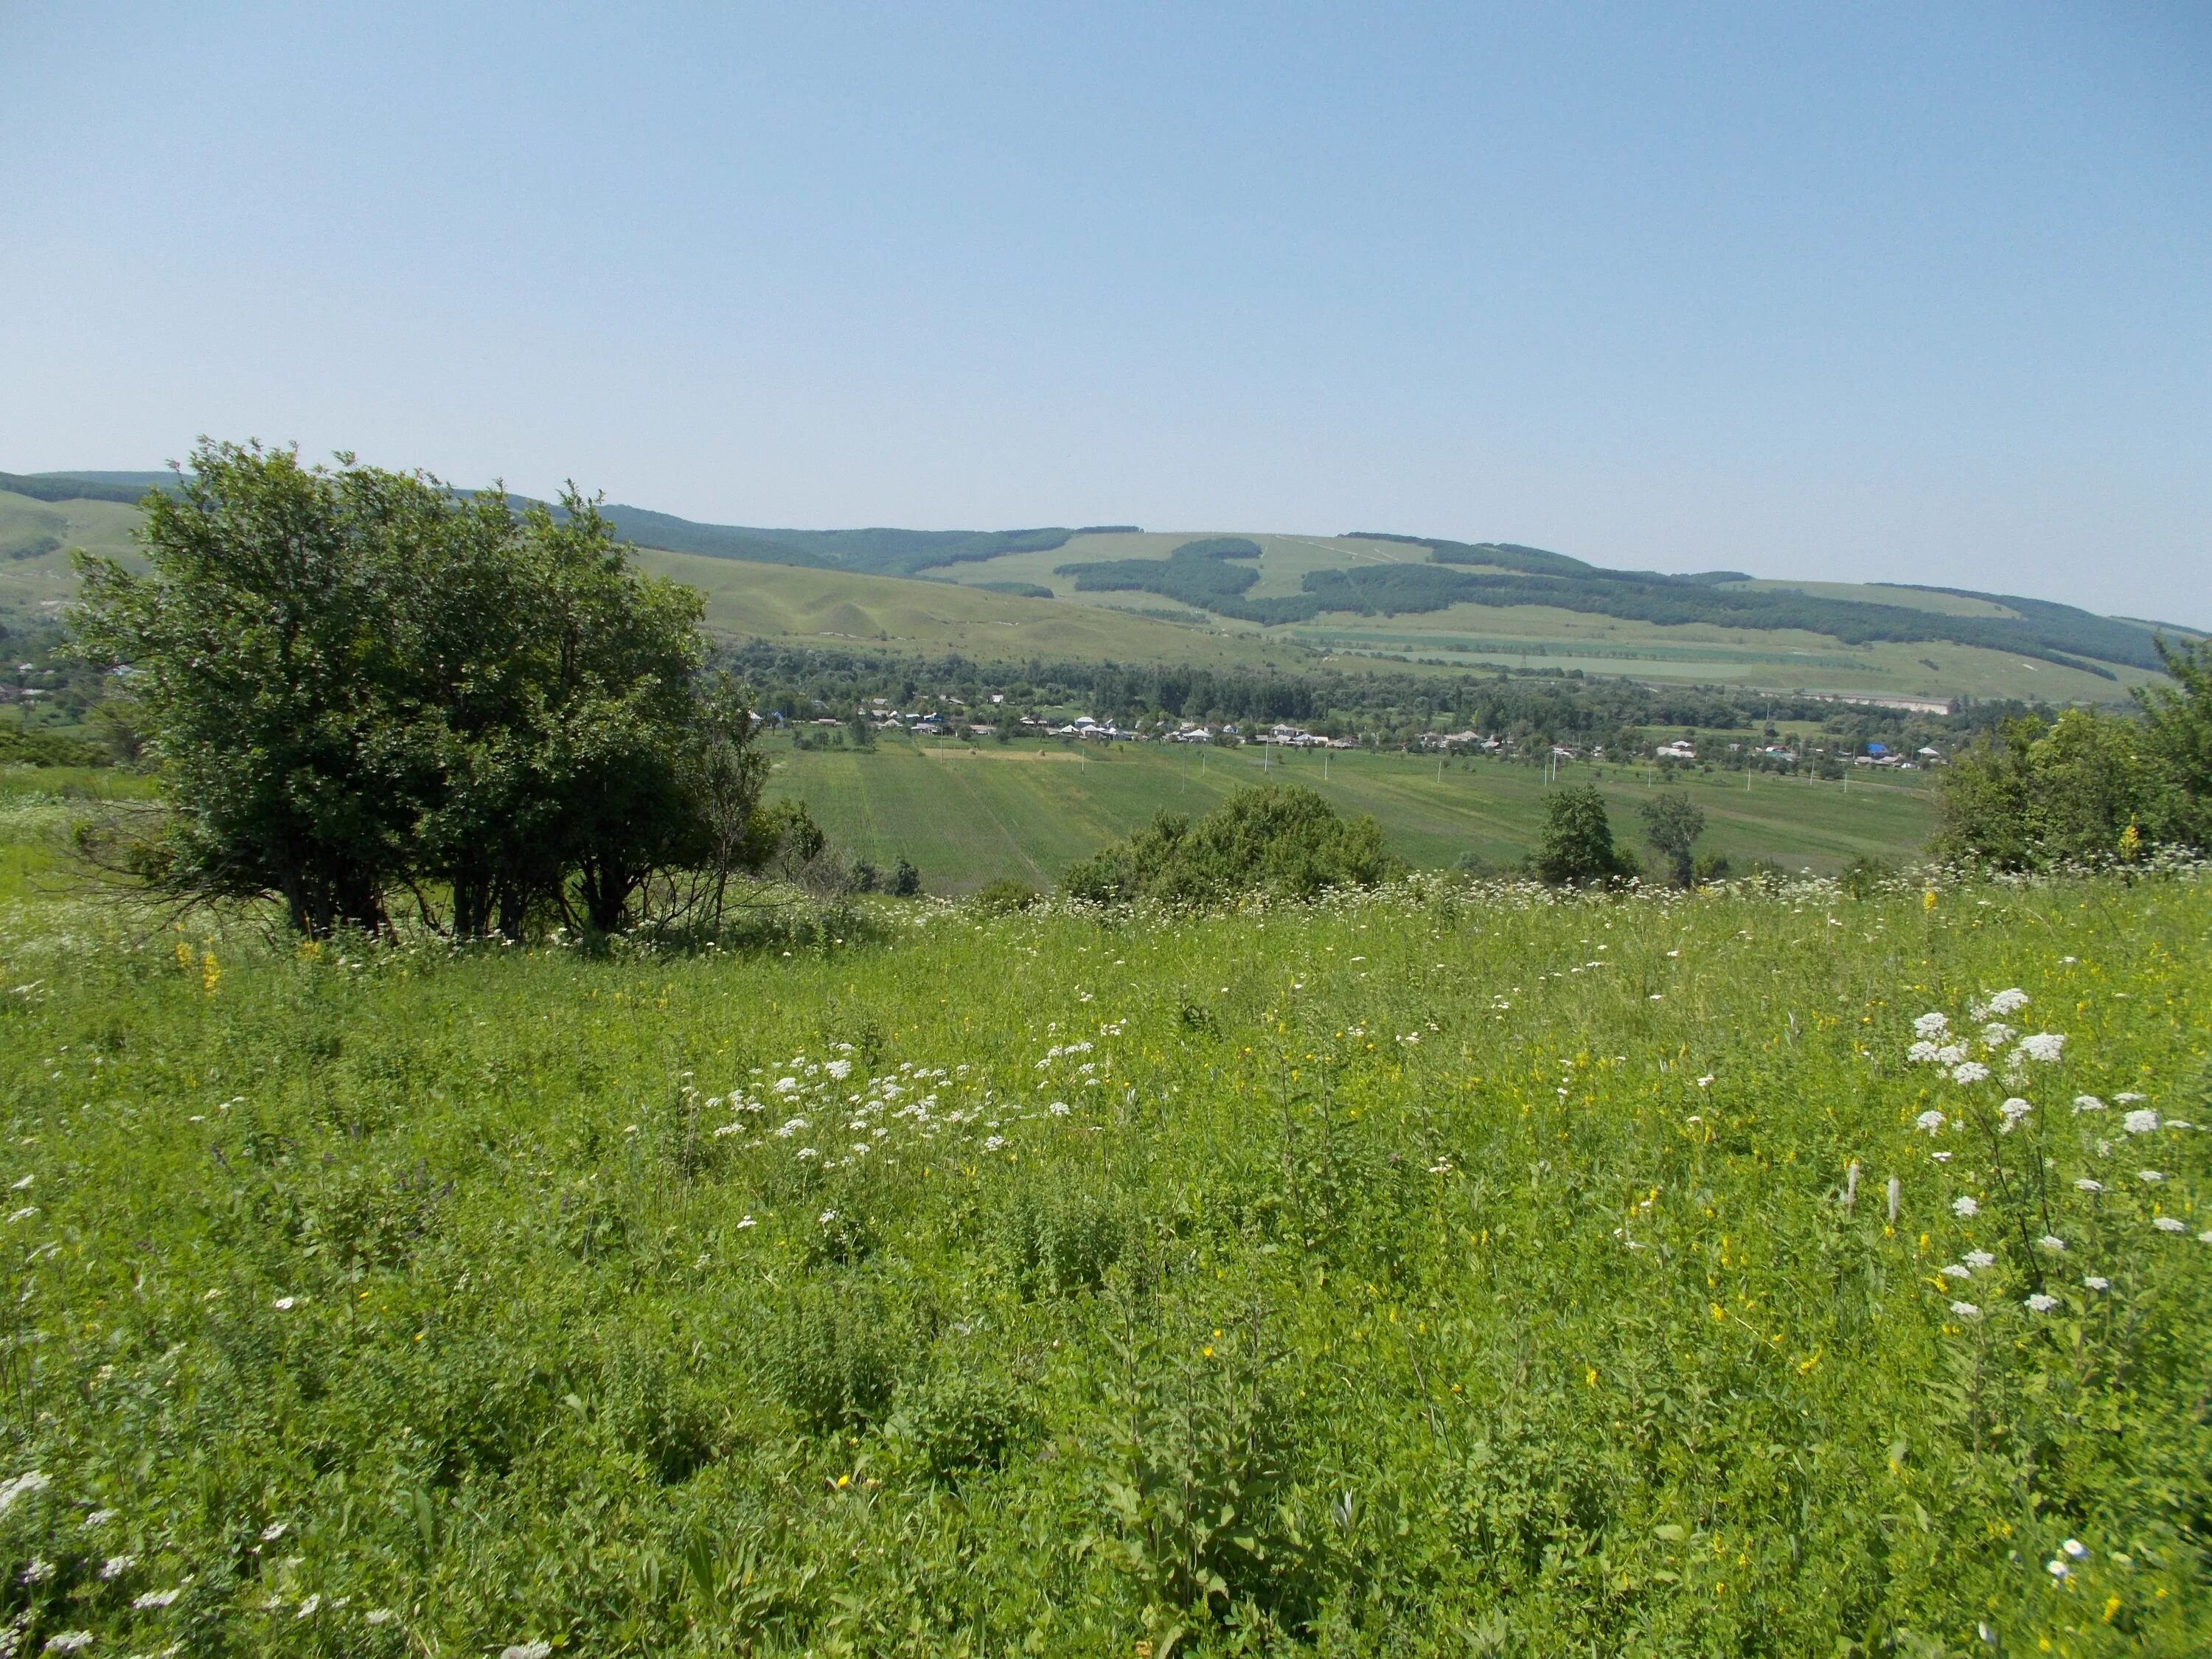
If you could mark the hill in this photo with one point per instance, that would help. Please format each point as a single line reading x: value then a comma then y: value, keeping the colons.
x: 1228, y: 597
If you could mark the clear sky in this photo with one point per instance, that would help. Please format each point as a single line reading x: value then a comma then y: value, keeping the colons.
x: 1903, y: 292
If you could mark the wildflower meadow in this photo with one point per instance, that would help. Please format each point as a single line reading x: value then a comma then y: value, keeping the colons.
x: 1464, y: 1269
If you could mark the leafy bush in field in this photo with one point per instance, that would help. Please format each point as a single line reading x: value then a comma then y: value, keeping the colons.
x: 1278, y: 839
x: 1005, y: 895
x: 1460, y: 1267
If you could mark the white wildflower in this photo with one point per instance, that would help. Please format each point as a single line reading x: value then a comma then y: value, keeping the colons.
x: 1954, y: 1270
x: 23, y: 1214
x: 747, y: 1222
x: 2089, y: 1104
x: 153, y: 1599
x: 1706, y: 1082
x: 2166, y: 1224
x: 273, y: 1531
x: 1965, y: 1311
x: 2129, y: 1098
x: 1996, y: 1034
x: 1931, y: 1025
x: 2076, y: 1548
x: 308, y: 1606
x: 805, y: 1153
x: 1921, y: 1054
x: 1929, y: 1122
x: 97, y: 1519
x: 2045, y: 1046
x: 116, y: 1565
x: 839, y: 1069
x: 285, y: 1304
x: 1969, y: 1070
x: 2151, y: 1176
x: 2005, y: 1002
x: 378, y: 1616
x: 786, y: 1085
x: 992, y: 1143
x: 69, y: 1641
x: 526, y: 1650
x: 2088, y: 1184
x: 22, y: 1486
x: 2053, y: 1242
x: 1979, y: 1260
x: 2097, y: 1282
x: 2057, y: 1569
x: 2041, y: 1303
x: 2141, y: 1121
x: 792, y: 1126
x: 38, y: 1570
x: 2013, y: 1110
x: 1058, y: 1109
x: 1950, y: 1053
x: 1962, y: 1206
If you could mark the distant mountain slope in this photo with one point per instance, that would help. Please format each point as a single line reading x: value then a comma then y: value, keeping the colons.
x: 1433, y: 576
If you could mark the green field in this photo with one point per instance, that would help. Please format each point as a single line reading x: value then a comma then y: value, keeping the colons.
x: 1444, y: 1271
x: 966, y: 816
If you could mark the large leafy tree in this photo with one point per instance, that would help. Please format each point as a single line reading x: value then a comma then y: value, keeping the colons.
x: 268, y: 674
x: 361, y: 682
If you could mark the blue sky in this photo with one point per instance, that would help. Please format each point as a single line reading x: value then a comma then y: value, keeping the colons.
x: 1902, y: 293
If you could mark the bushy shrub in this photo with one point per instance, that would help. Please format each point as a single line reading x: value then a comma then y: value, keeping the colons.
x: 1279, y: 839
x: 1005, y: 895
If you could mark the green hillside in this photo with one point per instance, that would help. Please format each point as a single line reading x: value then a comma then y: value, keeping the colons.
x: 966, y: 816
x: 1113, y: 592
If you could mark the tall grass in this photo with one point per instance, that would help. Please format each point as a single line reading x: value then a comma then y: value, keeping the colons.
x: 1422, y: 1272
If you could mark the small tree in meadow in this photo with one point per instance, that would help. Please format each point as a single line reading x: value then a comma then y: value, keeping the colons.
x: 1577, y: 848
x: 1671, y: 824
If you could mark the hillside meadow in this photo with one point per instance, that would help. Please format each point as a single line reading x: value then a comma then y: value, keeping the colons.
x: 968, y: 814
x: 1461, y: 1270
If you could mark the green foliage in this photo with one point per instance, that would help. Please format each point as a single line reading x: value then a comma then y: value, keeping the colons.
x: 1282, y: 839
x: 1577, y: 848
x: 23, y: 745
x: 1672, y: 824
x: 359, y: 680
x: 1005, y: 895
x: 2177, y: 733
x: 2034, y: 793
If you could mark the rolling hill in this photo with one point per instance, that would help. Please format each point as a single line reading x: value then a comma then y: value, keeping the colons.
x: 1120, y: 592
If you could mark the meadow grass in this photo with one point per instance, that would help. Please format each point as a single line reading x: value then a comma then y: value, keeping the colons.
x: 966, y: 816
x: 1438, y: 1271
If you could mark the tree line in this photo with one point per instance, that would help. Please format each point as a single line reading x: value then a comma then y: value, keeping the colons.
x: 365, y: 687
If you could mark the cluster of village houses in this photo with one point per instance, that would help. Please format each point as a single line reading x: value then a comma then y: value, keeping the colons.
x: 933, y: 724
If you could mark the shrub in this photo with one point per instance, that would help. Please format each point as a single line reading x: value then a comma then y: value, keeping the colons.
x: 1283, y: 840
x: 1005, y: 895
